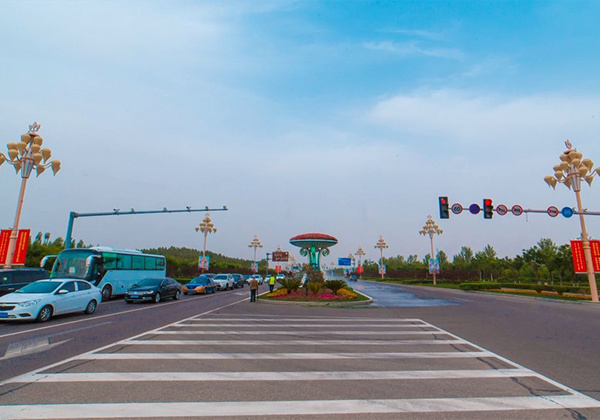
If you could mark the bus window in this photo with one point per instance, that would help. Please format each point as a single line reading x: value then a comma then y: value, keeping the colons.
x: 110, y: 260
x: 123, y: 262
x: 150, y: 263
x: 137, y: 262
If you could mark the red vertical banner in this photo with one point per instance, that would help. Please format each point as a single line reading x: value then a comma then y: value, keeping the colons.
x: 4, y: 238
x: 21, y: 247
x: 278, y: 269
x: 595, y: 246
x: 578, y: 257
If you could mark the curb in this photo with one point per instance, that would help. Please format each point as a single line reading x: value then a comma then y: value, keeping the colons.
x: 308, y: 303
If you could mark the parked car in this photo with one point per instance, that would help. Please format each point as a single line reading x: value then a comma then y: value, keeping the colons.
x: 154, y: 290
x: 280, y: 277
x: 42, y: 299
x: 257, y: 277
x: 238, y: 280
x: 223, y: 281
x: 201, y: 284
x: 12, y: 279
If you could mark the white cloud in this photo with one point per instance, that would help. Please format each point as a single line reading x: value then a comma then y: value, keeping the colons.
x: 413, y: 48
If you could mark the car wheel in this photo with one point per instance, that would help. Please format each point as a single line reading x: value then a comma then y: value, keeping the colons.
x: 157, y: 297
x: 214, y: 290
x: 177, y: 295
x: 91, y: 307
x: 45, y: 314
x: 128, y: 301
x: 185, y: 293
x: 106, y: 292
x: 243, y: 284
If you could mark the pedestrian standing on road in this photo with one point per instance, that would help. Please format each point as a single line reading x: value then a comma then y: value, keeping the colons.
x: 253, y: 289
x: 271, y: 284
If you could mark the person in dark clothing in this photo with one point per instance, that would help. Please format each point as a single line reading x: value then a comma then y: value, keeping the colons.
x: 253, y: 289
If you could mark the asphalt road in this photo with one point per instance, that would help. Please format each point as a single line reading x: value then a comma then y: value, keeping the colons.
x: 417, y: 353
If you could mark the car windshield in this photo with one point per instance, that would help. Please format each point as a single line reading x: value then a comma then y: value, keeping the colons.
x: 40, y: 287
x: 220, y: 277
x: 149, y: 282
x: 72, y: 264
x: 199, y: 280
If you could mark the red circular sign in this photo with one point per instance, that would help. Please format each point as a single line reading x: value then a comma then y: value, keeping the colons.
x: 517, y: 210
x: 501, y: 210
x: 457, y: 208
x: 552, y: 211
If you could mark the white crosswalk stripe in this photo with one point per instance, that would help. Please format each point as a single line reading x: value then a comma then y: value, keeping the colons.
x: 403, y: 342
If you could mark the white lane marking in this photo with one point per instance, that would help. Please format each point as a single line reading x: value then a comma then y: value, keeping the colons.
x: 279, y: 320
x: 94, y: 318
x: 518, y: 366
x: 113, y: 344
x: 246, y: 325
x: 282, y: 408
x: 284, y: 356
x: 273, y: 376
x: 307, y: 333
x: 287, y: 342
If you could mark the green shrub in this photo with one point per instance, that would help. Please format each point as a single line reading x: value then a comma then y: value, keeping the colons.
x: 538, y: 288
x: 290, y: 285
x: 560, y: 289
x: 314, y: 287
x: 335, y: 285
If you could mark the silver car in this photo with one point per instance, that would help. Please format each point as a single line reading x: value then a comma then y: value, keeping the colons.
x: 43, y: 299
x: 223, y: 281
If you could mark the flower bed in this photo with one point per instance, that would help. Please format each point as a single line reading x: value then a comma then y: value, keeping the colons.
x: 344, y: 295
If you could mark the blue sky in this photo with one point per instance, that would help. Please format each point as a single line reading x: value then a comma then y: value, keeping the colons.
x: 346, y: 117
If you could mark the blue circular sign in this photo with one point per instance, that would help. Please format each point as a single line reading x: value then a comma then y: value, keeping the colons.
x: 474, y: 208
x: 567, y: 212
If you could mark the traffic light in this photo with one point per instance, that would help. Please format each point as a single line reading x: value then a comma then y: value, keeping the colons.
x: 444, y: 213
x: 487, y: 208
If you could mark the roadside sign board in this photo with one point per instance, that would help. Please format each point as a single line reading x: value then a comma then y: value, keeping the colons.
x: 501, y: 210
x: 345, y: 261
x: 567, y: 212
x: 552, y: 211
x: 434, y: 266
x: 204, y: 262
x: 281, y: 256
x: 254, y: 267
x: 21, y: 247
x: 360, y: 269
x: 579, y: 264
x: 4, y: 238
x: 278, y: 269
x: 516, y: 210
x: 382, y: 269
x: 474, y: 208
x: 457, y: 208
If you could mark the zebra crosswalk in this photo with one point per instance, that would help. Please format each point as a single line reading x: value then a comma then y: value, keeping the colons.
x: 253, y: 367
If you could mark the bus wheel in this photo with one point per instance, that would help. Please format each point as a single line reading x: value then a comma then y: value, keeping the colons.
x: 45, y: 314
x: 106, y: 292
x: 157, y: 297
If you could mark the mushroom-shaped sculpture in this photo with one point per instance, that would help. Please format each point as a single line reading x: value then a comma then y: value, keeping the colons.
x: 314, y: 245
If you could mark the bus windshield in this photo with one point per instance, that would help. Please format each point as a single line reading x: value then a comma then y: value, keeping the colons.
x: 72, y: 264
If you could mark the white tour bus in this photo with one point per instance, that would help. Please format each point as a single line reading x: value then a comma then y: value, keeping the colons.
x: 112, y: 270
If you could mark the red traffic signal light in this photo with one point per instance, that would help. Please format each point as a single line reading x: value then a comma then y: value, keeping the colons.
x: 488, y: 208
x: 444, y: 210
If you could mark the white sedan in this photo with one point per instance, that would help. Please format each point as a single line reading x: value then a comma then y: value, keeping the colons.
x: 42, y: 299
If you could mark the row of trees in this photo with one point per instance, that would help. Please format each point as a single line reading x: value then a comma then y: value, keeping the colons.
x: 543, y: 262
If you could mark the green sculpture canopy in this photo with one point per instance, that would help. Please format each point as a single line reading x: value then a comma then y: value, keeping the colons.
x: 314, y: 245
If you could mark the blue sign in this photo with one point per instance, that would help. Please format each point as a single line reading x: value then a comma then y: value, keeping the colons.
x: 434, y: 266
x: 345, y: 261
x: 204, y: 262
x: 567, y: 212
x: 474, y: 208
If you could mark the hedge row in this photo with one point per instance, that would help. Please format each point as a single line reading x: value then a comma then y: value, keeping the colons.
x: 526, y: 286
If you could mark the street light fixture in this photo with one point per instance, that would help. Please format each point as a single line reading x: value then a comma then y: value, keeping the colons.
x: 431, y: 228
x: 255, y: 243
x: 206, y: 227
x: 352, y: 261
x: 569, y: 172
x: 381, y: 244
x: 24, y: 156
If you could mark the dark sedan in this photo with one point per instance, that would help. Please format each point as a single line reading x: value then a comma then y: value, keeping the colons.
x: 154, y: 290
x: 201, y: 284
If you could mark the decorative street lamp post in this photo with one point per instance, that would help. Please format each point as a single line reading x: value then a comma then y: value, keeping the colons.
x: 255, y: 244
x: 381, y: 245
x: 360, y: 253
x: 24, y: 156
x: 206, y: 227
x: 430, y: 228
x: 570, y: 171
x: 352, y: 261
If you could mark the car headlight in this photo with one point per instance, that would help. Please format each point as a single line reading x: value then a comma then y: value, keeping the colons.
x: 29, y: 303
